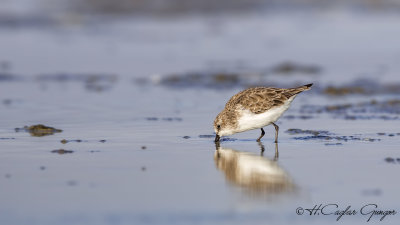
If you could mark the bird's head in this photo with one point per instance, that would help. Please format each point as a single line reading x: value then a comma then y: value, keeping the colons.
x: 224, y: 124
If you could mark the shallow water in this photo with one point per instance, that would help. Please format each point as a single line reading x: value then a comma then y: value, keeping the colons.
x: 157, y: 162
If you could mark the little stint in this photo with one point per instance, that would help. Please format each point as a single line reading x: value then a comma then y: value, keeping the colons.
x: 255, y: 108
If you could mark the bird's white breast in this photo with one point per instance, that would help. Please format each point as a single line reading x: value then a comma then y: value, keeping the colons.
x: 249, y: 120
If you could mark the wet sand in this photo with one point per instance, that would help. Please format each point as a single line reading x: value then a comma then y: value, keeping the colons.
x: 135, y: 149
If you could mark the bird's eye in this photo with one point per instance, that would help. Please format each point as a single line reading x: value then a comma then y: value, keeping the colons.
x: 218, y: 127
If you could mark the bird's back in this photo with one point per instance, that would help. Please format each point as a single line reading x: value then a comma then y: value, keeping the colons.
x: 261, y: 99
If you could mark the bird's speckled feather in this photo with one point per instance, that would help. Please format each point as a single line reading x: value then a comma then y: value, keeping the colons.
x: 257, y: 100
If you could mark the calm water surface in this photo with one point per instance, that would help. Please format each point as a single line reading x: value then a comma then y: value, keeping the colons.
x: 157, y: 165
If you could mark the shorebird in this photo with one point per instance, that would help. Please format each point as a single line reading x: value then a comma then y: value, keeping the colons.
x: 255, y: 108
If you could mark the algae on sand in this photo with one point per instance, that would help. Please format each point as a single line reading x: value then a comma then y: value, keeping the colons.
x: 39, y: 130
x: 62, y: 151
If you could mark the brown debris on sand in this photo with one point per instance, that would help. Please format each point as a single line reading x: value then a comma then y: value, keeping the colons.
x: 62, y: 151
x: 39, y: 130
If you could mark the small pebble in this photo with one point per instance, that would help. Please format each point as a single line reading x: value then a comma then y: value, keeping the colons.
x: 143, y: 168
x: 63, y: 141
x: 8, y: 175
x: 186, y: 137
x: 389, y: 160
x: 144, y: 147
x: 102, y: 141
x: 42, y: 168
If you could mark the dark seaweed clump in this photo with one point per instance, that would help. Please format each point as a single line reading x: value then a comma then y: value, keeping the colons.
x: 313, y: 132
x: 386, y: 134
x: 326, y: 136
x: 62, y: 151
x: 39, y: 130
x: 65, y: 141
x: 336, y: 138
x: 384, y: 110
x: 392, y: 160
x: 213, y: 136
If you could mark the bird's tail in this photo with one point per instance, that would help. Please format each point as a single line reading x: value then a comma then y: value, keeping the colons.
x: 294, y: 91
x: 305, y: 87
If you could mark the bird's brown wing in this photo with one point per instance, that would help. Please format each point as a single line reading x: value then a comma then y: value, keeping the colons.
x: 261, y: 99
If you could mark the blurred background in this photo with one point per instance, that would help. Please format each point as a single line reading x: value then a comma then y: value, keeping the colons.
x: 179, y: 7
x: 129, y: 89
x: 135, y: 38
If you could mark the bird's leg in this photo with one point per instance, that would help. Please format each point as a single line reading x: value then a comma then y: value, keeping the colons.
x: 217, y: 146
x: 276, y: 152
x: 261, y: 147
x: 276, y: 132
x: 262, y: 135
x: 217, y: 138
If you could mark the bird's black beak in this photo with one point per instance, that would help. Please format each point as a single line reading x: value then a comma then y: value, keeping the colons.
x: 217, y: 137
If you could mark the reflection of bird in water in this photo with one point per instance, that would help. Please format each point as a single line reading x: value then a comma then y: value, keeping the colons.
x: 253, y: 173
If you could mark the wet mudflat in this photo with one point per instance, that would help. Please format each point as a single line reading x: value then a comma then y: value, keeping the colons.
x: 128, y: 133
